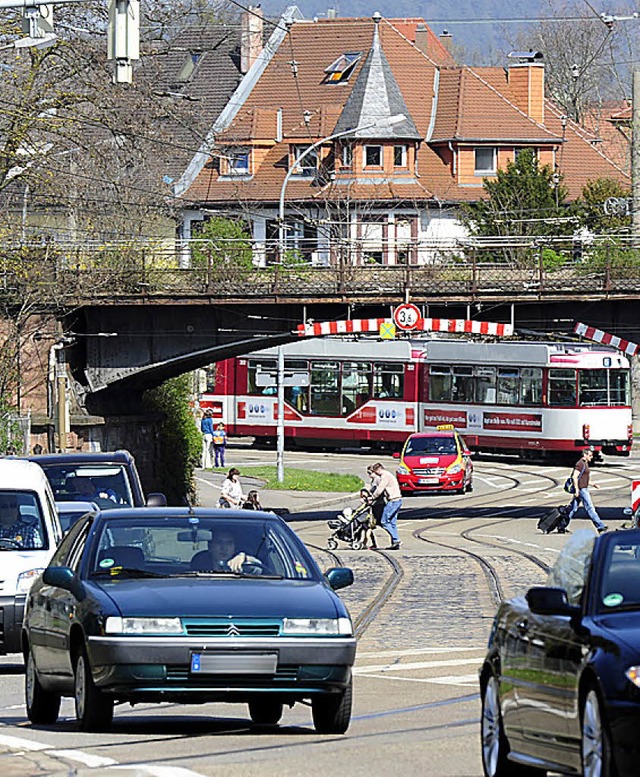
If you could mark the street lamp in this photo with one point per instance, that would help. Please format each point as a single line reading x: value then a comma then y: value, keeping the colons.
x: 385, y: 122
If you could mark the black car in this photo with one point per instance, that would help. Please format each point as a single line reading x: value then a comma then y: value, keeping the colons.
x: 108, y: 480
x: 189, y: 606
x: 560, y: 683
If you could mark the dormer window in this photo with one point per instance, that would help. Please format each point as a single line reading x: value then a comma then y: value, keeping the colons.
x: 373, y: 156
x: 308, y: 167
x: 238, y: 163
x: 400, y: 156
x: 347, y: 155
x: 485, y: 163
x: 341, y: 69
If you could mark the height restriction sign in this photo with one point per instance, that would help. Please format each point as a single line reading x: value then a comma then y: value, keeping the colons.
x: 406, y: 316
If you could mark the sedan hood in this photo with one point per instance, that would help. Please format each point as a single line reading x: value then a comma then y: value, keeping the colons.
x: 206, y: 597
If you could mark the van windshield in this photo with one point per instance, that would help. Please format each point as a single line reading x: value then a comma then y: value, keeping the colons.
x: 21, y: 524
x: 438, y: 445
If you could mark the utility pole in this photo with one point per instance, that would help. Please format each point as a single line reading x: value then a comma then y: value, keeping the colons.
x: 635, y: 155
x: 280, y: 435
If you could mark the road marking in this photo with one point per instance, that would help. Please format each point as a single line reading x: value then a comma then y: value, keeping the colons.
x: 421, y: 651
x: 414, y: 665
x: 491, y: 482
x: 208, y: 483
x: 160, y: 771
x: 464, y: 680
x: 88, y: 759
x: 16, y: 743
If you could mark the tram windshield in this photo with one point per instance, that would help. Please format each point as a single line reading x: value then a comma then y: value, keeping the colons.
x: 603, y: 387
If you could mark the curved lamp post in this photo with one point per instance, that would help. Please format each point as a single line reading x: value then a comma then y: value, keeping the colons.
x: 386, y: 122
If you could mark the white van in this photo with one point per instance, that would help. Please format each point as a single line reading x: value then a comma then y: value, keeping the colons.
x: 29, y: 533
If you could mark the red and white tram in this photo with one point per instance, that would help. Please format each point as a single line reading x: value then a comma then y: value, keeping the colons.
x: 503, y: 396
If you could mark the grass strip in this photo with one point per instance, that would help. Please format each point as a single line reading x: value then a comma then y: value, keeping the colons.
x: 302, y: 480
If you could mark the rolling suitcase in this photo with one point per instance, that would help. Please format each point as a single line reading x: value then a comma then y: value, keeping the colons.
x: 554, y: 520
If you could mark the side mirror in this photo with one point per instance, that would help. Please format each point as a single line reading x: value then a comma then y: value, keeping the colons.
x: 64, y: 577
x: 396, y: 454
x: 467, y: 452
x: 156, y: 500
x: 551, y: 601
x: 339, y: 577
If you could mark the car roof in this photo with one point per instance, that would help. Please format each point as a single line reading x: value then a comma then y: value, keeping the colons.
x: 443, y: 433
x: 185, y: 512
x: 77, y: 507
x: 20, y: 474
x: 82, y: 457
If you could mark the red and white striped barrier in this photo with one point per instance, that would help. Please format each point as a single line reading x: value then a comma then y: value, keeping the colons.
x: 635, y: 495
x: 372, y: 325
x: 598, y: 336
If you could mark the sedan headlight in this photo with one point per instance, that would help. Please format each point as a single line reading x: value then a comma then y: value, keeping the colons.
x: 633, y: 673
x: 320, y: 627
x: 26, y: 579
x: 403, y: 470
x: 454, y: 469
x: 115, y: 625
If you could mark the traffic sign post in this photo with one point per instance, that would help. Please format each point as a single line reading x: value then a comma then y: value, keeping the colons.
x: 406, y: 316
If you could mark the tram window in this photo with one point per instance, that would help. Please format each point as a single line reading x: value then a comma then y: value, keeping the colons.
x: 388, y: 381
x: 356, y: 385
x: 259, y: 365
x: 593, y: 387
x: 324, y: 394
x: 485, y: 380
x: 562, y: 387
x: 462, y: 385
x: 619, y: 387
x: 297, y: 396
x: 439, y: 383
x: 530, y: 386
x: 508, y: 389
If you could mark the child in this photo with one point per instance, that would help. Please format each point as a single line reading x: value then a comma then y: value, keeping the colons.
x: 252, y: 502
x: 369, y: 523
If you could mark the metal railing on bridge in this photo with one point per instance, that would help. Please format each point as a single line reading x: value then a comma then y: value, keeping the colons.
x: 455, y: 271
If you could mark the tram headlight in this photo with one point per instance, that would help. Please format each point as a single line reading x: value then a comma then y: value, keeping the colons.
x: 403, y: 470
x: 454, y: 469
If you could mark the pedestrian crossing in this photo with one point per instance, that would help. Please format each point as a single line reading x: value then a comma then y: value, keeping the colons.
x: 437, y: 666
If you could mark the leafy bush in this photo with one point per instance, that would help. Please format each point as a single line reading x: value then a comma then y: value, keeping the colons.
x: 178, y: 440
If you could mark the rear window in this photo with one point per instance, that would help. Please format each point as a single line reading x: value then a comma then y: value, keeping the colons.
x: 107, y: 485
x: 21, y: 521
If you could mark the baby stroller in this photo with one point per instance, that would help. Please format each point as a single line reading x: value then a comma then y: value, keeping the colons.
x: 350, y: 527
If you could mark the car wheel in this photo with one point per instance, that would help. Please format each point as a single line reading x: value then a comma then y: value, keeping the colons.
x: 265, y: 712
x: 595, y: 746
x: 332, y: 712
x: 469, y: 486
x: 495, y: 745
x: 42, y: 706
x: 94, y: 710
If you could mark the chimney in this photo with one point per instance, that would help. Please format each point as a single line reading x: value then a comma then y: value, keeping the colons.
x: 251, y: 22
x: 331, y: 13
x: 422, y: 37
x: 446, y: 39
x: 526, y: 79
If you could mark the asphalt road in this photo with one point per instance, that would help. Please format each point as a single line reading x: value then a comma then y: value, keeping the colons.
x: 424, y: 614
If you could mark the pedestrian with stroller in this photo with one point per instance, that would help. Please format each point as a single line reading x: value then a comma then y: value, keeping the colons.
x: 580, y: 477
x: 389, y: 486
x: 231, y: 492
x: 206, y: 427
x: 377, y: 506
x: 219, y: 444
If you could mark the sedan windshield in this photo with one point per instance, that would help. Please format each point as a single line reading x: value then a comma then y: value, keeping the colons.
x: 199, y: 545
x: 437, y: 445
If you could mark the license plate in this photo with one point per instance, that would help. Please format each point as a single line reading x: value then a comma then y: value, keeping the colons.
x: 429, y: 481
x: 234, y: 663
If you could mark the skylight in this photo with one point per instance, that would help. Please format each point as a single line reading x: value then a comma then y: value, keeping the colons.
x: 342, y: 68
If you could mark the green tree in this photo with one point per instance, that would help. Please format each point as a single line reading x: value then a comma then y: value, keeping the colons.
x: 523, y: 200
x: 591, y: 206
x: 223, y: 243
